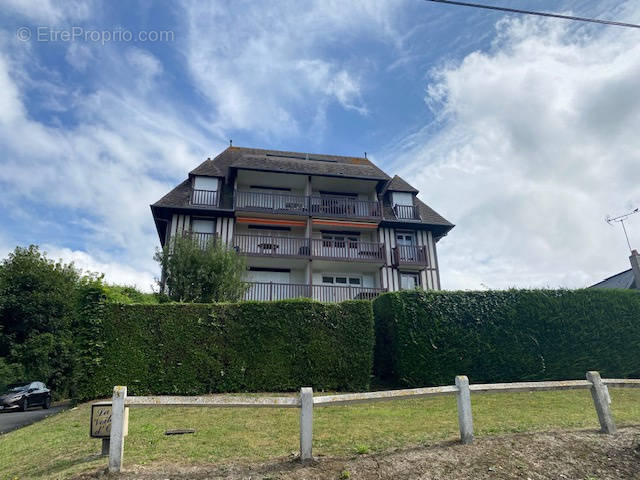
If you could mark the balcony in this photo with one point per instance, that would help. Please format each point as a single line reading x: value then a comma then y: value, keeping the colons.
x: 323, y: 205
x: 272, y: 202
x: 332, y: 293
x: 282, y: 246
x: 202, y: 239
x: 410, y: 255
x: 324, y: 293
x: 204, y: 198
x: 276, y: 291
x: 271, y: 245
x: 337, y: 206
x: 348, y: 250
x: 406, y: 212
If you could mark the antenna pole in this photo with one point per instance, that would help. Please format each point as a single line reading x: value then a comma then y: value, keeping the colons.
x: 620, y: 219
x: 624, y: 229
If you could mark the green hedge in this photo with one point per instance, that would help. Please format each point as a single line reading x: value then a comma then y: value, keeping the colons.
x: 249, y: 346
x: 427, y: 338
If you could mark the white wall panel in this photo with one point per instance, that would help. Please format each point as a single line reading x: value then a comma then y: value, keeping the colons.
x: 174, y: 224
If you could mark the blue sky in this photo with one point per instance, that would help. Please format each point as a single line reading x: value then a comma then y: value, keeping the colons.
x: 520, y: 130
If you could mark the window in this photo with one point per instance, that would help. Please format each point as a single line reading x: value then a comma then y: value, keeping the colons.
x: 205, y: 183
x: 409, y: 280
x: 405, y: 239
x: 339, y: 241
x: 402, y: 198
x: 203, y: 226
x: 342, y: 280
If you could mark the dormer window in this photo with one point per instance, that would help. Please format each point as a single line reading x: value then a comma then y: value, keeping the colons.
x: 403, y: 206
x: 205, y: 191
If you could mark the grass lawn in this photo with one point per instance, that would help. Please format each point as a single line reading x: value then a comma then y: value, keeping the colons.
x: 59, y: 446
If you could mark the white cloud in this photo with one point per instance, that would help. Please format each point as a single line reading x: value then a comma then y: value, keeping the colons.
x: 535, y: 142
x: 144, y: 66
x: 48, y: 11
x: 79, y: 56
x: 114, y: 272
x: 262, y: 67
x: 124, y: 153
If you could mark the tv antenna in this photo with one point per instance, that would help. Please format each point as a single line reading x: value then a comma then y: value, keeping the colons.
x: 621, y: 219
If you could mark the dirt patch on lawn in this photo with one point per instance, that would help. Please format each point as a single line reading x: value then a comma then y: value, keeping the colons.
x: 585, y: 455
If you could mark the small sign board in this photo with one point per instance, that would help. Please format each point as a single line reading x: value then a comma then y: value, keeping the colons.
x: 101, y: 420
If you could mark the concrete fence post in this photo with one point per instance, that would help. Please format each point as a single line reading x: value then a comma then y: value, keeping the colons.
x: 601, y: 400
x: 306, y: 423
x: 116, y: 439
x: 465, y: 418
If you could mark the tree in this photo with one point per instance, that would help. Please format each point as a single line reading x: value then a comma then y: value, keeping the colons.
x: 201, y: 273
x: 37, y: 306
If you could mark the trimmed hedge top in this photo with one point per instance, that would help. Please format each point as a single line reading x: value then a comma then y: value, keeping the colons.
x: 250, y: 346
x: 427, y: 338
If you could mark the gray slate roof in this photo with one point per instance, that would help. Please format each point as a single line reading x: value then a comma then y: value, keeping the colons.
x: 399, y: 184
x: 178, y: 197
x: 623, y: 280
x: 427, y: 215
x: 275, y: 160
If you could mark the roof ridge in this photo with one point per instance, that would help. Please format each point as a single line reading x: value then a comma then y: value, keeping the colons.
x: 291, y: 152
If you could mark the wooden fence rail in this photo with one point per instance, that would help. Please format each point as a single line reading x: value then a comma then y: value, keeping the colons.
x: 306, y: 402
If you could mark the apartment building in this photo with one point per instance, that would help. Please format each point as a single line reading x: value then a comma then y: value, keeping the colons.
x: 321, y: 226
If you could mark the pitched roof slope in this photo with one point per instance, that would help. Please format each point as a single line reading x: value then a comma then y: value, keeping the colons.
x: 178, y: 197
x: 624, y: 280
x: 399, y: 184
x: 429, y: 215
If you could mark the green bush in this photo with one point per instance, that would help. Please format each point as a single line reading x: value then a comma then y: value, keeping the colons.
x: 37, y: 301
x: 200, y: 271
x: 427, y: 338
x: 249, y: 346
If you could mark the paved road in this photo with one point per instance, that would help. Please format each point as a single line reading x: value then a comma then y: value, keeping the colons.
x: 13, y: 419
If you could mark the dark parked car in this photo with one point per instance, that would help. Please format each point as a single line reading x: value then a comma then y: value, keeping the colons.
x: 25, y: 395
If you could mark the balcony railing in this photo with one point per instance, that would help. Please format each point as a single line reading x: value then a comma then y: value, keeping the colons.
x: 323, y: 205
x: 410, y: 254
x: 271, y: 245
x: 336, y: 206
x: 406, y: 212
x: 276, y: 291
x: 272, y: 202
x: 202, y: 239
x: 347, y: 250
x: 324, y: 293
x: 332, y: 293
x: 204, y: 198
x: 284, y: 246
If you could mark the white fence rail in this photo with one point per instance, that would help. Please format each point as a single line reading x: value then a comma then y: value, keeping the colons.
x: 306, y: 402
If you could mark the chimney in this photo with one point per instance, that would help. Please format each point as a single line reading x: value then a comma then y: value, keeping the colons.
x: 635, y: 266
